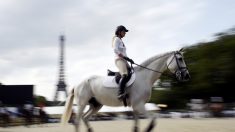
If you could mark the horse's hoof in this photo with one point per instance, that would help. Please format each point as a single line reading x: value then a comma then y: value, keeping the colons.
x: 151, y: 126
x: 136, y: 129
x: 89, y: 130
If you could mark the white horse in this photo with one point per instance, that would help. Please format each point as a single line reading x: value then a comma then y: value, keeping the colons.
x: 92, y: 92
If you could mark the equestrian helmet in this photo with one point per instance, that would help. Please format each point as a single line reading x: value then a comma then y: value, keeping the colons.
x: 120, y: 28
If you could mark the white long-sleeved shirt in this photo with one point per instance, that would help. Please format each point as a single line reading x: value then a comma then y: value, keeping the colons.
x: 119, y: 47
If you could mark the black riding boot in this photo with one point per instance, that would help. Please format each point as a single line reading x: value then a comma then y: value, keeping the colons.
x: 122, y: 85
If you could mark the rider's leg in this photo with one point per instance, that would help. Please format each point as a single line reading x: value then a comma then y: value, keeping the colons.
x: 122, y: 85
x: 122, y: 66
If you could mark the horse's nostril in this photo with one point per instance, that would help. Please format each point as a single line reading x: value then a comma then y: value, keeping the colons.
x: 187, y: 77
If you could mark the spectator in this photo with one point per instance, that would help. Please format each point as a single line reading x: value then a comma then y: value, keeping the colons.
x: 4, y: 115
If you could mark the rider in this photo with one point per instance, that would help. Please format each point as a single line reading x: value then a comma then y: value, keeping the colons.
x: 121, y: 58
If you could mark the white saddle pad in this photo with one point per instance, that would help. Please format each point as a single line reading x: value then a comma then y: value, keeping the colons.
x: 109, y: 81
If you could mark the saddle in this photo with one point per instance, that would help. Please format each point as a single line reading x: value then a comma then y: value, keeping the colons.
x: 117, y: 76
x: 113, y: 78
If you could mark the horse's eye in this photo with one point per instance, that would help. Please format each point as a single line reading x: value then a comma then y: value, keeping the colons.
x: 180, y: 59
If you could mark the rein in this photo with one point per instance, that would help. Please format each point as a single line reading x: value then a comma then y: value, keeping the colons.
x: 164, y: 74
x: 147, y: 68
x: 169, y: 75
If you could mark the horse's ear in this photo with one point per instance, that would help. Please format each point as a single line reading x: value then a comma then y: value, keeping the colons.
x: 182, y: 50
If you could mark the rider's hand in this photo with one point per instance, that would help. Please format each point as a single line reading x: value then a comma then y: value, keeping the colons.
x: 120, y: 55
x: 128, y: 59
x: 131, y: 61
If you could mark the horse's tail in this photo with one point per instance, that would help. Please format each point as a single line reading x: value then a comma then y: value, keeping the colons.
x: 68, y: 108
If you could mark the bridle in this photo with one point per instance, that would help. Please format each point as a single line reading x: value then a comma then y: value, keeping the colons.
x: 178, y: 71
x: 181, y: 70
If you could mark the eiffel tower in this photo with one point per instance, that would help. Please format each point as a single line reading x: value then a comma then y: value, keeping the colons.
x: 61, y: 85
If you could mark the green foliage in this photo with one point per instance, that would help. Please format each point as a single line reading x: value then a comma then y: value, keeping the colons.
x: 40, y: 100
x: 211, y: 66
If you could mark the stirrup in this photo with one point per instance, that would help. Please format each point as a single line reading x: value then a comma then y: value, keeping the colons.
x: 121, y: 96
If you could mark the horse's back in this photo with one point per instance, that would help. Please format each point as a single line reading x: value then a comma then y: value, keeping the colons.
x: 104, y: 95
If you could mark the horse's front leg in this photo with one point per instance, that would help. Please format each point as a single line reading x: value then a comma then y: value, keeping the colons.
x: 140, y: 109
x: 152, y: 123
x: 136, y: 119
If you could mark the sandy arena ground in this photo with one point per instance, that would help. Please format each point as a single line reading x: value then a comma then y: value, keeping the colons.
x: 163, y: 125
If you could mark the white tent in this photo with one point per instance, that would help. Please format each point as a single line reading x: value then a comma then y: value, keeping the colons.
x: 104, y: 109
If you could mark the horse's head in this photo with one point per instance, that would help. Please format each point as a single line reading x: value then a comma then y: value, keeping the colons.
x: 176, y: 65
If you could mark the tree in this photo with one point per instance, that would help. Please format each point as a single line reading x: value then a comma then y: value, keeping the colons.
x: 212, y: 68
x: 40, y: 101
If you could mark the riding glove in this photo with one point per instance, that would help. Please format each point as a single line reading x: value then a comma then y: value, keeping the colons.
x: 128, y: 59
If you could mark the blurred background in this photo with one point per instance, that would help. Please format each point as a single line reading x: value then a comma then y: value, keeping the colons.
x: 209, y: 93
x: 49, y: 47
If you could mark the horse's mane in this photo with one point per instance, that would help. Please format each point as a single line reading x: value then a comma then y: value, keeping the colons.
x: 148, y: 61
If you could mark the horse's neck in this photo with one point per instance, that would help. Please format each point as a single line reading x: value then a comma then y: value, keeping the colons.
x: 159, y: 64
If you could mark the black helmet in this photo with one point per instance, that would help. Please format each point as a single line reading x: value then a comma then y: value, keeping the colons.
x: 120, y: 28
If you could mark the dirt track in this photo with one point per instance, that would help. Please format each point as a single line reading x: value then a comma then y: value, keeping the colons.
x: 164, y: 125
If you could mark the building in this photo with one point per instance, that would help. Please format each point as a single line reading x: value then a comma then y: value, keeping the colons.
x: 16, y: 94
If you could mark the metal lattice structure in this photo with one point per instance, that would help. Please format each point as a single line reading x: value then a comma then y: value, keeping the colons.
x: 61, y: 85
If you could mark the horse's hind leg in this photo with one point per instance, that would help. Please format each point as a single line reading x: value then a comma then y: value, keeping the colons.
x: 78, y: 117
x: 92, y: 110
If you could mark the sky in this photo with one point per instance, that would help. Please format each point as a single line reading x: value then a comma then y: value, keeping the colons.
x: 30, y: 30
